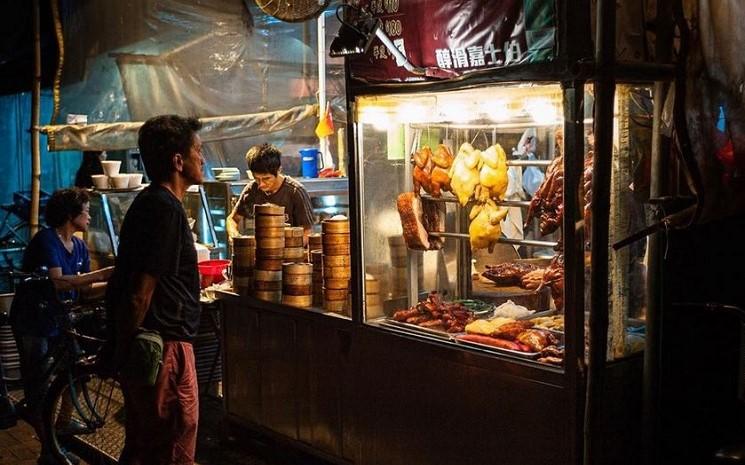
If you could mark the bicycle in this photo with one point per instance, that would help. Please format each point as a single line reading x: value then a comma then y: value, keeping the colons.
x: 71, y: 390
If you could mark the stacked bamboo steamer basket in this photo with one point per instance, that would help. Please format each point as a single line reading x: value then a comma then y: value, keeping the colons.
x: 373, y: 301
x: 297, y: 284
x: 270, y: 249
x: 315, y: 242
x: 316, y: 259
x: 399, y: 258
x: 337, y: 268
x: 294, y: 250
x: 244, y: 260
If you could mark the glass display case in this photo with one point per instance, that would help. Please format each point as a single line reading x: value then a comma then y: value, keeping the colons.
x: 108, y: 208
x: 462, y: 195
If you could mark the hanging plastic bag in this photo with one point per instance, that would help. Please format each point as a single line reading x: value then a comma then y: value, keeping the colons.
x: 532, y: 178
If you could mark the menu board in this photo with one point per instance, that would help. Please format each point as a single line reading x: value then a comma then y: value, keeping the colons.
x: 460, y: 36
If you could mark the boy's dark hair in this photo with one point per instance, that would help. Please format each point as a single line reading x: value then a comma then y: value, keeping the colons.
x: 65, y: 204
x: 162, y: 137
x: 264, y: 158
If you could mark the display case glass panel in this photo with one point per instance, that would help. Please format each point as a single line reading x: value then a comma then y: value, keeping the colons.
x: 452, y: 248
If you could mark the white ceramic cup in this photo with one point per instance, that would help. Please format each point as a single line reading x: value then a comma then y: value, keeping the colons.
x: 135, y: 179
x: 100, y: 181
x: 120, y: 181
x: 111, y: 167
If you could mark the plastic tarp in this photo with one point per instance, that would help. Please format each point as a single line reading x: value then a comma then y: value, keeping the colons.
x: 122, y: 136
x: 715, y: 103
x: 130, y: 60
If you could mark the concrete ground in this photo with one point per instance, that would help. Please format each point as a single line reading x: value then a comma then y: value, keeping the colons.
x: 20, y: 446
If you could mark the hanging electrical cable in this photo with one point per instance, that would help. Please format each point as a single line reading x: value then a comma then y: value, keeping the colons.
x: 60, y: 59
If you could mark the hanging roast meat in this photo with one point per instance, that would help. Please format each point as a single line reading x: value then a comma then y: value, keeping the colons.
x: 508, y: 274
x: 548, y: 202
x: 419, y: 218
x: 554, y: 279
x: 587, y: 194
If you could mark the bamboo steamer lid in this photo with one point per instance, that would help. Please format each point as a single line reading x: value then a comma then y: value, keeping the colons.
x: 337, y: 224
x: 337, y: 272
x: 267, y: 285
x: 244, y: 241
x: 374, y: 311
x: 297, y: 290
x: 242, y: 270
x: 336, y: 283
x: 315, y: 241
x: 336, y: 306
x: 270, y: 222
x: 269, y: 209
x: 339, y: 249
x: 273, y: 231
x: 372, y: 299
x: 335, y: 239
x: 335, y: 294
x: 241, y: 282
x: 294, y: 242
x: 298, y: 280
x: 337, y: 260
x: 298, y: 268
x: 399, y: 262
x: 270, y: 243
x: 399, y: 252
x: 270, y: 296
x: 294, y: 253
x: 372, y: 285
x: 264, y: 275
x: 268, y: 264
x: 316, y: 257
x: 270, y: 253
x: 303, y: 301
x: 294, y: 231
x: 396, y: 241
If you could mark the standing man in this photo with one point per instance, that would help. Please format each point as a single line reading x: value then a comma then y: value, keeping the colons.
x: 155, y: 286
x: 271, y: 186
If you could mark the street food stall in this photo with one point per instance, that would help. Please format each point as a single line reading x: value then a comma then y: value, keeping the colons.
x: 487, y: 318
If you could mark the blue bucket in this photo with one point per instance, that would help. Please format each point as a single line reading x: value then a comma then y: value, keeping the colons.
x: 310, y: 159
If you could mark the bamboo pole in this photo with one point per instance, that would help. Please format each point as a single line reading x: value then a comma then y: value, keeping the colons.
x: 33, y: 220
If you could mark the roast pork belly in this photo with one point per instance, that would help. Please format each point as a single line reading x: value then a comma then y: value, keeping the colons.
x: 419, y: 217
x: 508, y: 274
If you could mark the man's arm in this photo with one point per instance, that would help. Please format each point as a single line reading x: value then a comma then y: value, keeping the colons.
x: 81, y: 281
x: 231, y: 223
x: 131, y: 313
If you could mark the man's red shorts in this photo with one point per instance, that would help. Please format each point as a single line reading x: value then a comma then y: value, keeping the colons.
x: 161, y: 421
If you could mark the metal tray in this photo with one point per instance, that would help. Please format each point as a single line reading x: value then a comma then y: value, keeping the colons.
x: 499, y: 350
x: 415, y: 328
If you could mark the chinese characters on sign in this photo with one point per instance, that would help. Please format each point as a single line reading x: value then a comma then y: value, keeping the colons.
x: 477, y: 56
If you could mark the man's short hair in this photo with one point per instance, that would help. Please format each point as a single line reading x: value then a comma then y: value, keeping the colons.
x: 162, y: 137
x: 264, y: 158
x: 65, y: 204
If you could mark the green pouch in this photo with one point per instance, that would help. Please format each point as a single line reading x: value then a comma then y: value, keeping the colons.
x: 145, y: 359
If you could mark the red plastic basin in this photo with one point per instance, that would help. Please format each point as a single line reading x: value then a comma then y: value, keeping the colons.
x: 211, y: 271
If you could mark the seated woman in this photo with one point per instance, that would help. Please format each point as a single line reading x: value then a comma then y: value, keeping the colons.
x: 65, y: 258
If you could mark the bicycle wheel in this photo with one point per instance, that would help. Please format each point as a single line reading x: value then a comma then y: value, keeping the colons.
x: 77, y: 407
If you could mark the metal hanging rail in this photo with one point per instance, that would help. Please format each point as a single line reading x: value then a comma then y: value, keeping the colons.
x: 502, y: 240
x: 453, y: 199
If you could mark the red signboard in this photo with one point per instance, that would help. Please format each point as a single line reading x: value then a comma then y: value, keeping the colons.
x: 457, y: 35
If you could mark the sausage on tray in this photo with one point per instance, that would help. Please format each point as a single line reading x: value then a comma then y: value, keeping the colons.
x: 494, y: 342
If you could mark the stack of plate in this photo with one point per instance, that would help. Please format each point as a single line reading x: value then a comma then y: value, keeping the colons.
x: 226, y: 173
x: 270, y: 248
x: 337, y: 268
x: 244, y: 260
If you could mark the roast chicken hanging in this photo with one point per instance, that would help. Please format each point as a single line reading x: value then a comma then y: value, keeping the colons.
x: 485, y: 228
